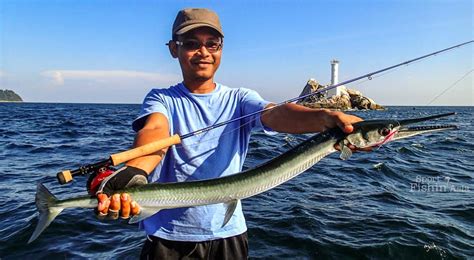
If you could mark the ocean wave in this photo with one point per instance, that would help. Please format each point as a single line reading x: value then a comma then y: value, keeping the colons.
x: 367, y: 207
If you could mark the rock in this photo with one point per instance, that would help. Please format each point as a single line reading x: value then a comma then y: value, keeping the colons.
x: 353, y: 92
x: 361, y: 102
x: 349, y: 99
x: 311, y: 86
x: 341, y: 102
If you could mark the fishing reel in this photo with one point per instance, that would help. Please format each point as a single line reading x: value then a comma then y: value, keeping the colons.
x: 97, y: 173
x: 96, y: 178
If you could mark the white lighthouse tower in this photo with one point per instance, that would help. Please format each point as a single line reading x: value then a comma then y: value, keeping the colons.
x: 335, y: 79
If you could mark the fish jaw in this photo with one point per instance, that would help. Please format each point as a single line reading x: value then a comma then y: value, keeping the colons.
x: 417, y: 130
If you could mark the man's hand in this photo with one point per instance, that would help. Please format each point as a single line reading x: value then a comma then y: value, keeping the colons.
x: 111, y: 205
x: 341, y: 120
x: 344, y: 122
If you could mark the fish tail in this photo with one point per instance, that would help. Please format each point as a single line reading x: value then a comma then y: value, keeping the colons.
x: 46, y: 203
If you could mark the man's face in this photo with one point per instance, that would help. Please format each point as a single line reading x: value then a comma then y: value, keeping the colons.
x: 198, y: 65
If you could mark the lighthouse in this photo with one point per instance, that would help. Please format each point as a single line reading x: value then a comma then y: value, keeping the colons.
x: 335, y: 79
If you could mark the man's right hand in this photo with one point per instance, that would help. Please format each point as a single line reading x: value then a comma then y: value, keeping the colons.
x: 110, y: 204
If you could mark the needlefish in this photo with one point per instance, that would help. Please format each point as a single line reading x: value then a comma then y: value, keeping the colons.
x: 154, y: 197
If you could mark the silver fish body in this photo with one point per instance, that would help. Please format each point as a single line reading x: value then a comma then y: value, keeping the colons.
x: 229, y: 189
x: 156, y: 196
x: 241, y: 185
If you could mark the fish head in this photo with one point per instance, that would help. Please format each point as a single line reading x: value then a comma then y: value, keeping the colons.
x: 372, y: 133
x: 375, y: 133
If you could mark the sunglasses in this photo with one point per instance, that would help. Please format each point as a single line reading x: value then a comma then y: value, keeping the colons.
x: 194, y: 45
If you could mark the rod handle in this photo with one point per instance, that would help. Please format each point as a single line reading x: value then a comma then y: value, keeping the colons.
x: 143, y: 150
x: 64, y: 177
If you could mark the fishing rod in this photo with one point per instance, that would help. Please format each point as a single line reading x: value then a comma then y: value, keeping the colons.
x: 119, y: 158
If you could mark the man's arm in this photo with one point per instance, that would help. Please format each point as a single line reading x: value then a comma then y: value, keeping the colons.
x: 156, y: 128
x: 297, y: 119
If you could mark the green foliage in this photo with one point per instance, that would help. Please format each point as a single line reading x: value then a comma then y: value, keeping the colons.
x: 9, y: 95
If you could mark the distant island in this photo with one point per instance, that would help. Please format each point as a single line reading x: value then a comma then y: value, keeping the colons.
x: 9, y: 96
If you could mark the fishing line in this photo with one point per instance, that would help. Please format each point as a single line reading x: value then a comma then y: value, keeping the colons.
x: 408, y: 64
x: 227, y: 132
x: 391, y: 71
x: 116, y: 159
x: 383, y: 74
x: 364, y: 78
x: 368, y: 77
x: 450, y: 87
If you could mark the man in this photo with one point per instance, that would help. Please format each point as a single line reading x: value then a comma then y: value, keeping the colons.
x: 197, y: 102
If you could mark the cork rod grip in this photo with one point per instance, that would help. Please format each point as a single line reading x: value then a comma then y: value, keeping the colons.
x: 143, y: 150
x: 64, y: 176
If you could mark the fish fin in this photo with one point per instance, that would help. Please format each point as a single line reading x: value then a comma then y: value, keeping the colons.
x: 230, y: 208
x: 345, y: 152
x: 45, y: 202
x: 144, y: 213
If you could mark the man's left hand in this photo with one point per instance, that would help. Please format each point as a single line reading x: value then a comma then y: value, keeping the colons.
x: 111, y: 204
x: 341, y: 120
x: 344, y: 122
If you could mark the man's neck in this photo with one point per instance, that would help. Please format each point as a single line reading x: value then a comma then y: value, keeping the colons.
x: 200, y: 87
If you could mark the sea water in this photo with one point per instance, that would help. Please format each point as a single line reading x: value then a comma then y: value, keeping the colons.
x: 412, y: 198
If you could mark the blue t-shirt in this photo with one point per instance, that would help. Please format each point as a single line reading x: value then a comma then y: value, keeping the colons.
x: 218, y: 152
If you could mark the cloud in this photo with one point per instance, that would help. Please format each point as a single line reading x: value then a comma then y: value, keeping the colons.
x: 59, y: 77
x: 2, y: 74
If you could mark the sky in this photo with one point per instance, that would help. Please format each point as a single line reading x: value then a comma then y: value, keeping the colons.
x: 114, y: 51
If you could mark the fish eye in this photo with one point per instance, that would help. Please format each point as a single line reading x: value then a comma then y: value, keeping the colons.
x: 384, y: 131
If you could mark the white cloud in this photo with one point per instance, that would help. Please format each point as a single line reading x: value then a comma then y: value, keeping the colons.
x: 2, y: 74
x: 59, y: 77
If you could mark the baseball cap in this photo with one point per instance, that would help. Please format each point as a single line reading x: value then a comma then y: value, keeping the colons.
x: 192, y: 18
